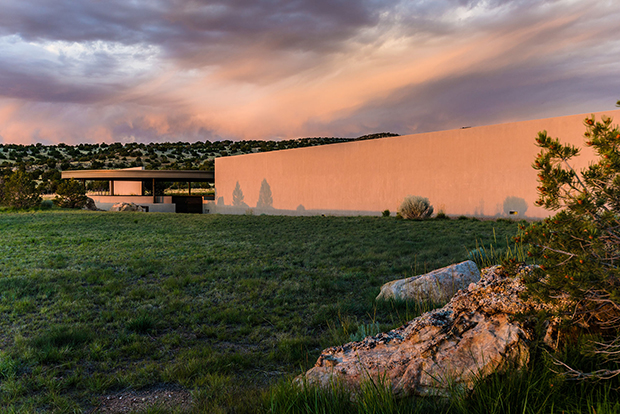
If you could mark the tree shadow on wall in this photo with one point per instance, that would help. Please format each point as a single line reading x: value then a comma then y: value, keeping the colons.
x: 265, y: 198
x: 237, y: 197
x: 515, y: 207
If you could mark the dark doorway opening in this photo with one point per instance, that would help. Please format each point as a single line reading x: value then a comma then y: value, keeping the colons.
x: 188, y: 204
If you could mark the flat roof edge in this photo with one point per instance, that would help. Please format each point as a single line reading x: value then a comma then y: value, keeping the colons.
x: 137, y: 175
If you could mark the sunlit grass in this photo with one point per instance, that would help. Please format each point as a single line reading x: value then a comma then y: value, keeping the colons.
x: 224, y: 306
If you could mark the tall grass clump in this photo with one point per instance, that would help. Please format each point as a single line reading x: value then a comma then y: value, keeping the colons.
x: 293, y: 398
x: 492, y: 255
x: 415, y: 207
x: 365, y: 330
x: 374, y: 396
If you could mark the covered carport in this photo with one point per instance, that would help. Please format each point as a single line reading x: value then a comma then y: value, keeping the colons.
x: 128, y: 185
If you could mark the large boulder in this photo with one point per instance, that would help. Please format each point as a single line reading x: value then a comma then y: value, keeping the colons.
x: 90, y: 205
x: 126, y: 207
x: 443, y: 350
x: 437, y: 286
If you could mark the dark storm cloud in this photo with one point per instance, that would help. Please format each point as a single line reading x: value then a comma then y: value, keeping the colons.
x: 68, y: 20
x: 40, y: 87
x: 187, y: 34
x: 211, y: 31
x: 58, y: 80
x: 181, y: 27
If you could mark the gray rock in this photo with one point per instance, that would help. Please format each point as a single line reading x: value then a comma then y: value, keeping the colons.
x: 126, y: 207
x: 437, y: 286
x: 442, y: 351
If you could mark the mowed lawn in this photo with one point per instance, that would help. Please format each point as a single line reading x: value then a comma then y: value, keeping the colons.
x: 92, y: 303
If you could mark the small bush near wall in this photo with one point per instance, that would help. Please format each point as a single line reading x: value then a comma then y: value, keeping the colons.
x: 415, y: 207
x: 442, y: 216
x: 46, y: 204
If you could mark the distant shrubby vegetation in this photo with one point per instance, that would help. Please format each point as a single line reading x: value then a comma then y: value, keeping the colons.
x: 42, y: 164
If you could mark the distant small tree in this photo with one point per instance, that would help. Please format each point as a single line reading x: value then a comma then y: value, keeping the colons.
x: 20, y: 191
x: 49, y: 181
x: 70, y: 194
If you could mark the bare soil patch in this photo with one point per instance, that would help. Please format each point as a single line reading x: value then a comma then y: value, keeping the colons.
x: 137, y: 401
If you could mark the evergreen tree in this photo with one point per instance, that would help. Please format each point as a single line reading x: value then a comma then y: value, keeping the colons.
x: 20, y: 191
x: 578, y: 249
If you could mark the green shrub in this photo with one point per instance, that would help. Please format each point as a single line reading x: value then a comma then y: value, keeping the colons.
x: 46, y: 204
x: 19, y: 191
x: 386, y: 213
x: 415, y: 207
x: 71, y: 194
x: 442, y: 216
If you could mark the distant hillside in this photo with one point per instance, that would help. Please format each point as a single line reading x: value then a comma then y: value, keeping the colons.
x: 44, y: 162
x: 177, y: 155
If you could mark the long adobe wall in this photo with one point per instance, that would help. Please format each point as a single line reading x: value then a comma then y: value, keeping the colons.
x: 481, y: 171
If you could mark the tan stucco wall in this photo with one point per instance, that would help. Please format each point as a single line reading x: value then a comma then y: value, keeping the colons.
x: 127, y: 187
x: 470, y: 171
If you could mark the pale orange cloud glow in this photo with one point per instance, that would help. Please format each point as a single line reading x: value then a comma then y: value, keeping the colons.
x: 252, y: 111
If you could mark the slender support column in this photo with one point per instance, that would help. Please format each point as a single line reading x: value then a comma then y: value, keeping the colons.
x: 189, y: 187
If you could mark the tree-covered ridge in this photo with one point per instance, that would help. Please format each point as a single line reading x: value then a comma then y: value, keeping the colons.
x: 39, y: 158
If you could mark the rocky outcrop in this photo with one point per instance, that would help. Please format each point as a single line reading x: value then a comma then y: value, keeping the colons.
x: 472, y: 336
x: 437, y: 286
x: 126, y: 207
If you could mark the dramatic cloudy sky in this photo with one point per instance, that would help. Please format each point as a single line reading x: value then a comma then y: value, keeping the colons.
x: 185, y: 70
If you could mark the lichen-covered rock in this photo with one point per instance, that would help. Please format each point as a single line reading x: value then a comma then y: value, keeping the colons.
x: 472, y: 336
x: 437, y: 286
x: 126, y: 207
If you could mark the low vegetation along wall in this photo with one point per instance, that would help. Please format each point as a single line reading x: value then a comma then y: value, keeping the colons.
x: 480, y: 171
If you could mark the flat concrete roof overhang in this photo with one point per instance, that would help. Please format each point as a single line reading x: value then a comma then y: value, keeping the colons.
x: 141, y: 175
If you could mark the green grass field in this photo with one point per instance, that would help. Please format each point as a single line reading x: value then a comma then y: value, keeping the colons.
x: 228, y: 308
